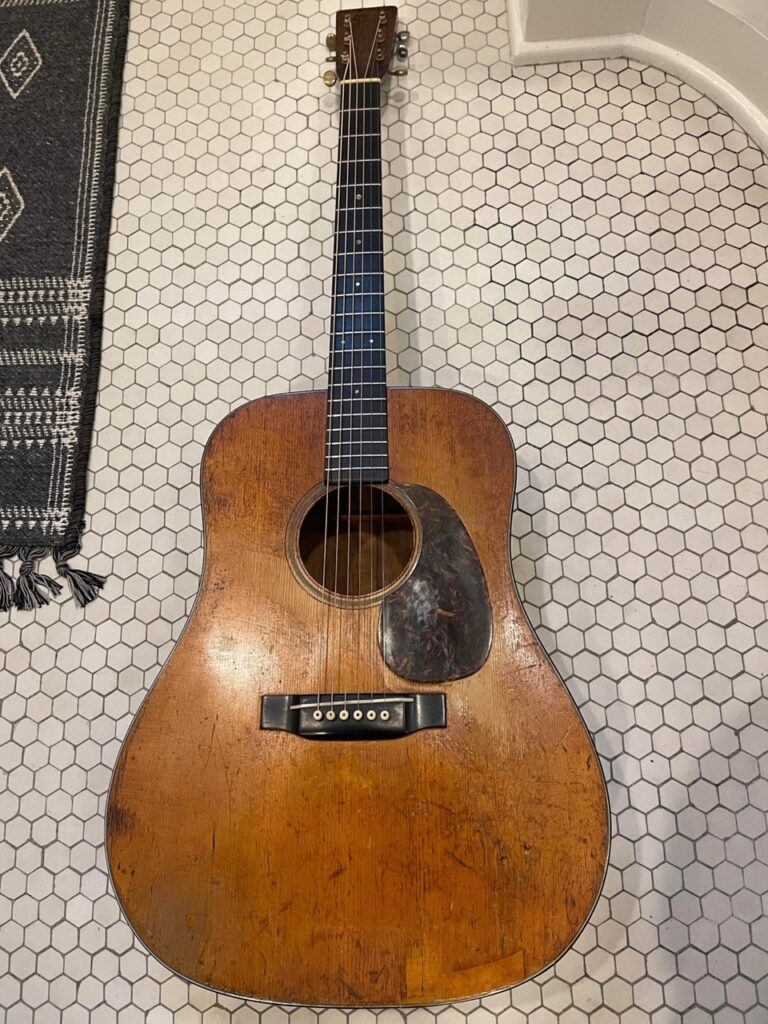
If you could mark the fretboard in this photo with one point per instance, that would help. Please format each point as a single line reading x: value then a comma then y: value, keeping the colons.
x: 356, y: 447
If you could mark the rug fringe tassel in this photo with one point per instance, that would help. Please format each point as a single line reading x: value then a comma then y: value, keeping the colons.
x: 7, y: 585
x: 33, y: 589
x: 30, y: 590
x: 84, y: 585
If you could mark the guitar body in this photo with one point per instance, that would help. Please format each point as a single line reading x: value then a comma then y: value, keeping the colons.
x: 434, y: 866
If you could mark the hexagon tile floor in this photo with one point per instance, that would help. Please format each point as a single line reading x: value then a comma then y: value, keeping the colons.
x: 583, y: 246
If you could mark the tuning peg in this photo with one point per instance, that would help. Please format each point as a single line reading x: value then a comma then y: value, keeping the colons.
x: 329, y: 77
x: 330, y: 40
x: 400, y: 72
x: 404, y: 36
x: 401, y: 52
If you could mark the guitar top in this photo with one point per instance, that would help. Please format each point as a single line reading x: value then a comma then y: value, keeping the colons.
x: 359, y: 779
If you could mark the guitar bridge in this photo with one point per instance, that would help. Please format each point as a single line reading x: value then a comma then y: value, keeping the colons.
x: 353, y: 716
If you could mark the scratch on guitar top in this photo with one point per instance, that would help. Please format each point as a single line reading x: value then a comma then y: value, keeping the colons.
x: 210, y: 745
x: 463, y: 863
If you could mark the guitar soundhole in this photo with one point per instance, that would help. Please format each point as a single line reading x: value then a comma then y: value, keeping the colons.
x: 356, y: 540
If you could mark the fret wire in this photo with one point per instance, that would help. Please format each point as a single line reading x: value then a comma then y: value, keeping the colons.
x: 336, y: 400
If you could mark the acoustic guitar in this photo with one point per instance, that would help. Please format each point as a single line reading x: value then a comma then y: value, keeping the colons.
x: 358, y: 780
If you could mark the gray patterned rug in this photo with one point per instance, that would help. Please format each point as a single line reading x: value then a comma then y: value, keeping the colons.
x: 60, y: 76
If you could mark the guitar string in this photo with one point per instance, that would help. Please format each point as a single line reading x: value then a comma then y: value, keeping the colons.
x: 369, y: 115
x: 354, y: 165
x: 378, y: 549
x: 359, y: 145
x: 377, y: 340
x: 362, y: 117
x: 381, y: 546
x: 374, y: 335
x: 353, y: 355
x: 329, y: 467
x: 352, y: 68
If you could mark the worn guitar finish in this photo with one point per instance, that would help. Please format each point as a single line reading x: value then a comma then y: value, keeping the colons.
x: 433, y: 867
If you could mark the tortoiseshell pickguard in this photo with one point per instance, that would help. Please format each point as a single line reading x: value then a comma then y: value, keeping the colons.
x: 437, y: 626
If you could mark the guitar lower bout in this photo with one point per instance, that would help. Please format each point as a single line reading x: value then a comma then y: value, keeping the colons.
x: 448, y: 861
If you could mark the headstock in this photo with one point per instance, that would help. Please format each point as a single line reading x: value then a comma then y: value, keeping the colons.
x: 365, y: 43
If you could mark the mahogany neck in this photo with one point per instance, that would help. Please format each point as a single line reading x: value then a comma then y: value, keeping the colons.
x: 357, y: 390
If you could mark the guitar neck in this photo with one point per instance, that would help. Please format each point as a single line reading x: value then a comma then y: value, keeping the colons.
x: 357, y: 446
